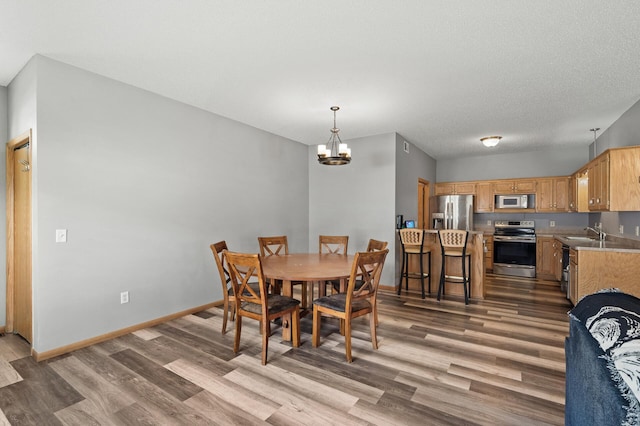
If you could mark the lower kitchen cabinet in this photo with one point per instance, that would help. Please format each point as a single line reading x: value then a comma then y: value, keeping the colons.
x: 593, y: 270
x: 548, y: 258
x: 488, y: 253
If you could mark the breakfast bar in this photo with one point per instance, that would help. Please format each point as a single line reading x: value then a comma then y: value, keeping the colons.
x: 431, y: 241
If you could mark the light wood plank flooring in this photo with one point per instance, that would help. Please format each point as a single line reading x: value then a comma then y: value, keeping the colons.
x: 497, y: 361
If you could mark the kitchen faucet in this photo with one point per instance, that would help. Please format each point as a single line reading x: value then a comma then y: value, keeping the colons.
x: 598, y: 230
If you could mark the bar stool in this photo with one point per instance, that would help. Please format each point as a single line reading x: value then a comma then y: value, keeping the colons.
x: 454, y: 244
x: 413, y: 243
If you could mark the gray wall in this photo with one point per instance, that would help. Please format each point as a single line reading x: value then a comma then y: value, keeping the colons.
x: 552, y: 162
x: 143, y: 184
x: 409, y: 167
x: 4, y: 136
x: 625, y: 131
x: 355, y: 199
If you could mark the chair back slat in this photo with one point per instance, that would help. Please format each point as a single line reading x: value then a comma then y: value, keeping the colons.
x: 411, y: 236
x: 221, y: 261
x: 333, y: 244
x: 453, y: 238
x: 273, y: 246
x: 376, y: 245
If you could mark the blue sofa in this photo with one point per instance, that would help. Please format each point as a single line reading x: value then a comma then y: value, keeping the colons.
x: 603, y: 361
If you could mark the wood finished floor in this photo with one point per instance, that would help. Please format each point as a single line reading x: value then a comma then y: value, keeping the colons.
x: 497, y: 361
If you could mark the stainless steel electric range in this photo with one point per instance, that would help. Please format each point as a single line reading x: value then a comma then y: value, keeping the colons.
x: 514, y: 248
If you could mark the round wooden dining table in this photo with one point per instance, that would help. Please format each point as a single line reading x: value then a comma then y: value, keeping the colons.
x: 309, y: 267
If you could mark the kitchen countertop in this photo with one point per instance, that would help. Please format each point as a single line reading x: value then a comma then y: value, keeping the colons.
x: 610, y: 244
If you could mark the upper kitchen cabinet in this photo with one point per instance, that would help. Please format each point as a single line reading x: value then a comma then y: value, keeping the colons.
x: 484, y: 197
x: 614, y: 180
x: 455, y: 188
x: 516, y: 186
x: 579, y: 191
x: 553, y: 195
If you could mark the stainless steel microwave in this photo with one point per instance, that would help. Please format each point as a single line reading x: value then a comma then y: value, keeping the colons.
x: 515, y: 201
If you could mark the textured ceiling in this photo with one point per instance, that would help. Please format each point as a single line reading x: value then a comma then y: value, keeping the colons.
x: 440, y: 73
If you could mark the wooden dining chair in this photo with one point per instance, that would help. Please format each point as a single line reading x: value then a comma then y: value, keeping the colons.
x: 277, y: 246
x: 331, y: 244
x: 229, y: 302
x: 355, y: 302
x: 259, y: 305
x: 376, y: 245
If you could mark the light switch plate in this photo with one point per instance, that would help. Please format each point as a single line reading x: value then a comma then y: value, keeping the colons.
x: 61, y: 235
x: 552, y: 223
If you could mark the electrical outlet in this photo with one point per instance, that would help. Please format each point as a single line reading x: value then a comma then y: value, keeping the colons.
x: 61, y: 235
x: 621, y: 228
x: 124, y: 297
x: 552, y: 223
x: 489, y: 223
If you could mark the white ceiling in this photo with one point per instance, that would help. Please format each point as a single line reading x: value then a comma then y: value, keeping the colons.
x: 440, y: 73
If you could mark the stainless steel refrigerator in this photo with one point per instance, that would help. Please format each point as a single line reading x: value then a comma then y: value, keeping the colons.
x: 453, y: 212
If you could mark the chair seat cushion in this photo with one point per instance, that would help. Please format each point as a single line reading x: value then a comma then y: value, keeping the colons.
x: 416, y: 249
x: 275, y: 303
x: 338, y: 302
x: 455, y: 252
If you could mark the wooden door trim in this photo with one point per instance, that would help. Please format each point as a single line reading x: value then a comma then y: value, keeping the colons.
x: 422, y: 183
x: 11, y: 146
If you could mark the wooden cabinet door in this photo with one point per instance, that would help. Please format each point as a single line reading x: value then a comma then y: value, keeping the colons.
x: 465, y: 188
x: 573, y: 276
x: 573, y: 193
x: 525, y: 186
x: 444, y: 189
x: 545, y: 260
x: 604, y: 183
x: 484, y: 197
x: 488, y: 252
x: 599, y: 184
x: 557, y: 258
x: 503, y: 187
x: 544, y: 197
x: 561, y: 194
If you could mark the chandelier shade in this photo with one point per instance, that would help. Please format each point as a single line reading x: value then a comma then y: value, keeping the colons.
x: 334, y: 152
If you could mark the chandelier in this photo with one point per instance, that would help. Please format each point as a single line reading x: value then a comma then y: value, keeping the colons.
x: 334, y: 153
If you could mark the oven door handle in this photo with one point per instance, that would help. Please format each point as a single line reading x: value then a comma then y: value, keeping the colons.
x: 512, y: 240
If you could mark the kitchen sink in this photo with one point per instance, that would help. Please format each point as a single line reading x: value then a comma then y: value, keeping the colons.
x: 580, y: 238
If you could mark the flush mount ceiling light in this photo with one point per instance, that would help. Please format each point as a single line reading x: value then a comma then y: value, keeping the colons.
x: 334, y: 153
x: 490, y: 141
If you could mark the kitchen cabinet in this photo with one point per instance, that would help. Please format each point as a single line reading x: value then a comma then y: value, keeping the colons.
x: 553, y: 195
x: 579, y: 192
x: 546, y: 258
x: 515, y: 186
x: 455, y: 188
x: 594, y: 270
x: 614, y: 180
x: 488, y: 253
x: 484, y: 197
x: 598, y: 172
x: 557, y: 254
x: 573, y: 276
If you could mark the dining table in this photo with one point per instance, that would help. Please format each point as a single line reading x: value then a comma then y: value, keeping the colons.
x: 308, y: 267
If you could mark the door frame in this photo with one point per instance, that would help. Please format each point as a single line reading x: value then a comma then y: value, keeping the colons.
x: 423, y: 187
x: 22, y: 139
